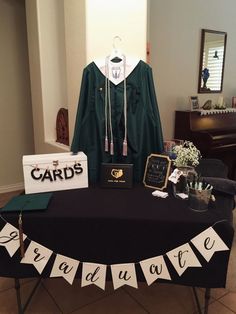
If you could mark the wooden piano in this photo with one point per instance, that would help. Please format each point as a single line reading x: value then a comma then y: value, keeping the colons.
x: 214, y: 135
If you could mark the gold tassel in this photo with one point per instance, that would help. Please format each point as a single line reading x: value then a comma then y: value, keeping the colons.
x: 106, y: 144
x: 125, y: 148
x: 22, y: 248
x: 111, y: 148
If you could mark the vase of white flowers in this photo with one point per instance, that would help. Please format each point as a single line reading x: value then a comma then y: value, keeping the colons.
x: 187, y: 158
x: 187, y: 154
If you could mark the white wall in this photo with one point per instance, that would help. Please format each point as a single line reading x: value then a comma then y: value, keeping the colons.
x: 46, y: 42
x: 52, y: 62
x: 64, y: 36
x: 75, y: 39
x: 16, y: 130
x: 90, y: 27
x: 106, y: 19
x: 175, y: 35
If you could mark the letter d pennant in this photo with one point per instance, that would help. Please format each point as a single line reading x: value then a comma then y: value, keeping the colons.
x: 94, y: 274
x: 124, y: 274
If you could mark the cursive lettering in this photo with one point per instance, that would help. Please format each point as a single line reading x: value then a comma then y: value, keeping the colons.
x: 154, y: 269
x: 124, y: 275
x: 37, y: 257
x: 65, y: 268
x: 90, y: 276
x: 206, y: 242
x: 180, y: 256
x: 13, y: 236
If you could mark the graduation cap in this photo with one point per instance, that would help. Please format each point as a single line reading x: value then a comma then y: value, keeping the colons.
x: 26, y: 202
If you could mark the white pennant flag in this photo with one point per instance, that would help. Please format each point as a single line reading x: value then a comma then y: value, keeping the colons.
x: 9, y: 237
x: 183, y: 257
x: 65, y: 267
x: 208, y: 242
x: 154, y: 268
x: 37, y: 255
x: 94, y: 274
x: 124, y: 274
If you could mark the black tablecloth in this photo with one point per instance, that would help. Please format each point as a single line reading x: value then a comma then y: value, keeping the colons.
x: 113, y: 226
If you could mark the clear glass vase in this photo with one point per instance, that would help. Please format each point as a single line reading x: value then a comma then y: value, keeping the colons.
x: 188, y: 175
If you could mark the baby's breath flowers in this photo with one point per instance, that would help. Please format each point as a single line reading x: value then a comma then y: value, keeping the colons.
x: 186, y: 155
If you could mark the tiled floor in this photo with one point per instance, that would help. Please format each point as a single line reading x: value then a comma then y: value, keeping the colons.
x: 55, y: 295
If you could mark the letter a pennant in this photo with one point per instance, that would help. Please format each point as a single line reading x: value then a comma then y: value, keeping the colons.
x: 154, y: 268
x: 65, y: 267
x: 124, y: 274
x: 208, y: 242
x: 94, y: 274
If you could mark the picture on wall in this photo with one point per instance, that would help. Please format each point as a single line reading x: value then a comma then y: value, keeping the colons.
x: 234, y: 102
x: 194, y: 103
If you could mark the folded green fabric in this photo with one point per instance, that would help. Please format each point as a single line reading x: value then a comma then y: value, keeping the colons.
x: 28, y: 202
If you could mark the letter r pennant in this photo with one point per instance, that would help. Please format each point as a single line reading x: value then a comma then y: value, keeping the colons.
x: 37, y: 255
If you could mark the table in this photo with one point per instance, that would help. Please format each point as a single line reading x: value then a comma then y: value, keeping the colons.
x: 112, y: 226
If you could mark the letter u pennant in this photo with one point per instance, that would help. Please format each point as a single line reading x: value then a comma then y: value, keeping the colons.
x: 124, y: 274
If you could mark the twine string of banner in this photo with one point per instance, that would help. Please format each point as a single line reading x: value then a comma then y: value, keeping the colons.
x: 206, y: 242
x: 136, y: 263
x: 55, y: 165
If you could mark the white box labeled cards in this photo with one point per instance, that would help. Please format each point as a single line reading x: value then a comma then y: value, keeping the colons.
x: 53, y: 172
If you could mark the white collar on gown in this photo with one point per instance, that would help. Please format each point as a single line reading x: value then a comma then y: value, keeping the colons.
x: 116, y: 69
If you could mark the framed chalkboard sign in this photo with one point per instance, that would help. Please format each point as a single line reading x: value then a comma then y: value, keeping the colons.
x: 157, y: 171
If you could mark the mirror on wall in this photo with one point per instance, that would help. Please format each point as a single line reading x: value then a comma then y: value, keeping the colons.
x: 212, y: 60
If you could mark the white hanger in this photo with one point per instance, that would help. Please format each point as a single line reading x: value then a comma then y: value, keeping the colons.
x: 131, y: 63
x: 116, y: 54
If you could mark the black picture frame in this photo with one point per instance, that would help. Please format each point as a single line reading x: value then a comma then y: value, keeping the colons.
x: 194, y: 103
x: 157, y: 171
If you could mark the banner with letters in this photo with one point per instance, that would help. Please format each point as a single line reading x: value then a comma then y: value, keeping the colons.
x: 208, y: 242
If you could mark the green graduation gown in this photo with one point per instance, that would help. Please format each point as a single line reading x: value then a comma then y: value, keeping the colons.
x: 144, y: 132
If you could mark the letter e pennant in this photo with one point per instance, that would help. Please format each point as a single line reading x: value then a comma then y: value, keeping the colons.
x: 208, y: 242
